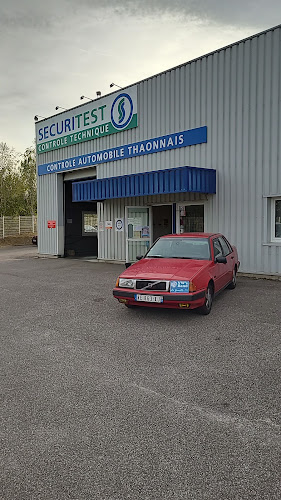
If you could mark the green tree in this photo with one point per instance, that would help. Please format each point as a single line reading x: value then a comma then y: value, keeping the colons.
x: 18, y: 195
x: 28, y: 179
x: 8, y: 176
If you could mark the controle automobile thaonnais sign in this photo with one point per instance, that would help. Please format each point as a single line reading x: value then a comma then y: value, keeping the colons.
x: 164, y: 143
x: 106, y: 116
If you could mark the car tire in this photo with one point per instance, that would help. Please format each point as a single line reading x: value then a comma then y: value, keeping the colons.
x: 209, y: 295
x: 233, y: 282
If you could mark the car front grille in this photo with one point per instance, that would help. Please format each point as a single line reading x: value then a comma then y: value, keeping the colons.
x: 152, y: 285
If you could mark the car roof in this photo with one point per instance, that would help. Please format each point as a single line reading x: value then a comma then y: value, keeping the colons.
x: 191, y: 235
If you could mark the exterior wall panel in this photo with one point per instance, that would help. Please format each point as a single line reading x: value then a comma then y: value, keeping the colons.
x: 50, y: 194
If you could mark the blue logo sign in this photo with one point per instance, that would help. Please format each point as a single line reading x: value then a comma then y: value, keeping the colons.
x: 179, y: 287
x: 122, y: 111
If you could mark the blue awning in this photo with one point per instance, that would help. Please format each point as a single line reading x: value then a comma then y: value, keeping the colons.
x: 173, y: 180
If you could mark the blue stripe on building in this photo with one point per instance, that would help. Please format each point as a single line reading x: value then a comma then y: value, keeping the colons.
x: 150, y: 146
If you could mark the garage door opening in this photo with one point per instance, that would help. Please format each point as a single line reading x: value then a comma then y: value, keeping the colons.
x: 81, y: 227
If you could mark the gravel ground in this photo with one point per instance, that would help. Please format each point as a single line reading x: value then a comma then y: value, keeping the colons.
x: 103, y: 402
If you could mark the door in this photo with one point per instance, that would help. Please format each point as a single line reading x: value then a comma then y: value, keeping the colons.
x: 81, y: 236
x: 138, y: 233
x: 221, y: 271
x: 191, y: 218
x: 162, y: 220
x: 227, y: 252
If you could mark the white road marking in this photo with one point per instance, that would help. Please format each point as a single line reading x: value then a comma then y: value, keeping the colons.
x: 241, y: 423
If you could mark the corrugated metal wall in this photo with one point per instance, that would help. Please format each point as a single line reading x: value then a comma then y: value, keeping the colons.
x: 50, y: 207
x: 236, y: 92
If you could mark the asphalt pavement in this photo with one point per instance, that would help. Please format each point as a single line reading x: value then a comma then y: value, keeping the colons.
x: 101, y: 402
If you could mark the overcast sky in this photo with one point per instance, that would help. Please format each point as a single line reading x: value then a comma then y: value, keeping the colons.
x: 53, y: 51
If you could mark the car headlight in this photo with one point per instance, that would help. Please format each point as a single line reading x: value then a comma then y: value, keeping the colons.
x: 126, y: 283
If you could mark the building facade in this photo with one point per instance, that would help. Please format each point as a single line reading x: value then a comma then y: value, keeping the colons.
x: 194, y: 148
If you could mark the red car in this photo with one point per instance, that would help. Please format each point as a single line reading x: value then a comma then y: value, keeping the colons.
x: 180, y: 271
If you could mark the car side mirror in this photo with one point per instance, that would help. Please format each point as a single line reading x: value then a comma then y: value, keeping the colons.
x: 139, y: 257
x: 221, y: 260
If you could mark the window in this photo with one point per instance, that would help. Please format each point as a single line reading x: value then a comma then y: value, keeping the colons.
x: 180, y: 248
x: 225, y: 247
x: 230, y: 249
x: 192, y: 218
x: 217, y: 249
x: 89, y: 223
x: 138, y: 232
x: 276, y: 219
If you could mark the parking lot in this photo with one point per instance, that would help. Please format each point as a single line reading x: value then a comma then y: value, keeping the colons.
x: 103, y: 402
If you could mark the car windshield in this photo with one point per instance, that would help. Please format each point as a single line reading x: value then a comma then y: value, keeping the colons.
x: 180, y: 248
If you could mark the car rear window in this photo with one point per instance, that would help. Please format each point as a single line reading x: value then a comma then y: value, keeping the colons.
x: 180, y: 248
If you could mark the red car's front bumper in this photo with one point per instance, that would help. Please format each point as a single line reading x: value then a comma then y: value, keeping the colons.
x: 170, y: 300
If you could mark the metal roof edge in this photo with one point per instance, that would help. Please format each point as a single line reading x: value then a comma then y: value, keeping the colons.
x: 209, y: 54
x: 278, y: 26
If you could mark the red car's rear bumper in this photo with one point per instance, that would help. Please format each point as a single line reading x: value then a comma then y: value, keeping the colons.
x: 170, y: 300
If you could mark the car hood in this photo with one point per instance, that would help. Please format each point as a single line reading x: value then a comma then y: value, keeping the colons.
x: 165, y: 269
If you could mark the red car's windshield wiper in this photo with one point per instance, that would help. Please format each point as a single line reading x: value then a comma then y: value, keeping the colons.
x: 181, y: 257
x: 162, y: 257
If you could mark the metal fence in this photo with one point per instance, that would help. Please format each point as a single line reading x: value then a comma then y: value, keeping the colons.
x: 13, y: 226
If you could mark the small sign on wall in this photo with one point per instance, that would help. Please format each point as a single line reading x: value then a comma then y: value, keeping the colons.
x: 108, y: 224
x: 145, y: 232
x: 51, y: 224
x: 119, y: 224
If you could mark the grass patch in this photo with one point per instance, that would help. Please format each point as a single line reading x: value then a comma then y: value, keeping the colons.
x: 20, y: 239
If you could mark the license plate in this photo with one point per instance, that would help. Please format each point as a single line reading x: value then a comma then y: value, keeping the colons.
x: 149, y: 298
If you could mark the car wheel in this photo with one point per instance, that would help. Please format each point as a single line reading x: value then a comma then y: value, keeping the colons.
x: 206, y: 308
x: 233, y: 283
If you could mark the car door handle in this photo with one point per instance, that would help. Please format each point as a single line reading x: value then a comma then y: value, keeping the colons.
x: 232, y: 257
